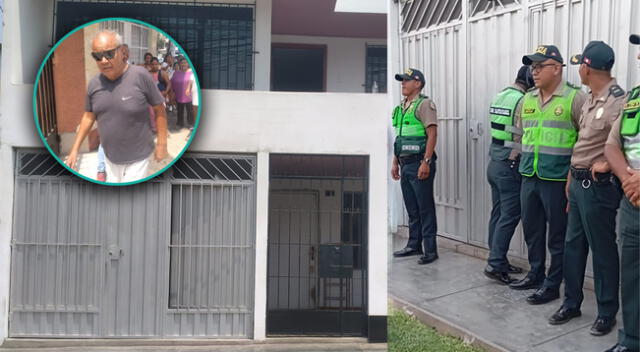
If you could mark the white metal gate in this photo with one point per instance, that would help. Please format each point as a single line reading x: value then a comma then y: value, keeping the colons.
x: 172, y: 257
x: 470, y: 50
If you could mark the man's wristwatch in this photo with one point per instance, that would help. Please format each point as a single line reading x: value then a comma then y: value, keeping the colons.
x: 427, y: 160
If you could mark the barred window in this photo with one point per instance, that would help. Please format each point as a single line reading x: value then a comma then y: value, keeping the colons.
x: 480, y: 7
x: 418, y: 14
x: 376, y: 67
x: 217, y: 37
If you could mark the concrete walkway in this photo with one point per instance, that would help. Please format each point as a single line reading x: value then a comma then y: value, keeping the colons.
x: 453, y: 295
x: 194, y: 345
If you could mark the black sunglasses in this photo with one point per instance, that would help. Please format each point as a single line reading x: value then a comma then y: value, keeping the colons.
x: 108, y: 54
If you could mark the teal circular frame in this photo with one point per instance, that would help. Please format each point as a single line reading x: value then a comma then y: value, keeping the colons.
x: 35, y: 111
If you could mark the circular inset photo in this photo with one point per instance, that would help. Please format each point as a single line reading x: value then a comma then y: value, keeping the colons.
x: 116, y: 101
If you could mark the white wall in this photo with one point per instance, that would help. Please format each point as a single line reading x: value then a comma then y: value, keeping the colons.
x: 396, y: 204
x: 262, y: 74
x: 19, y: 66
x: 314, y: 123
x: 346, y: 59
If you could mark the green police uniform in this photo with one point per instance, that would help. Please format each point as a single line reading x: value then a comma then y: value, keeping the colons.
x: 501, y: 114
x: 410, y: 123
x: 411, y: 136
x: 593, y: 205
x: 549, y: 136
x: 503, y: 176
x: 593, y: 201
x: 627, y: 136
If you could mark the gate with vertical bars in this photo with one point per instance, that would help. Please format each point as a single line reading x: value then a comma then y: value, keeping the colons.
x: 172, y: 257
x: 317, y: 269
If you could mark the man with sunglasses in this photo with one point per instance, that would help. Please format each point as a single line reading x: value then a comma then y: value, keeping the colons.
x: 593, y: 195
x: 622, y: 151
x: 549, y: 116
x: 414, y: 164
x: 118, y: 99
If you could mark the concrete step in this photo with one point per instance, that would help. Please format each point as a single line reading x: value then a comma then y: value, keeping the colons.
x: 303, y: 344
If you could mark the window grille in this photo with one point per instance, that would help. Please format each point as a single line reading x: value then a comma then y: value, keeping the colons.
x: 376, y: 67
x: 218, y: 38
x: 37, y: 163
x: 214, y: 168
x: 420, y: 14
x: 480, y: 7
x: 46, y: 104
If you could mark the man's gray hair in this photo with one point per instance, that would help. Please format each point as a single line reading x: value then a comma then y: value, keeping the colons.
x: 115, y: 34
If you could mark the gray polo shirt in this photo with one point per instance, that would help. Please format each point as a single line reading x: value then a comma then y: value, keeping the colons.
x: 122, y: 110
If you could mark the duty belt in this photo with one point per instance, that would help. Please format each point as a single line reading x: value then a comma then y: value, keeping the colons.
x: 584, y: 176
x: 404, y: 160
x: 514, y: 164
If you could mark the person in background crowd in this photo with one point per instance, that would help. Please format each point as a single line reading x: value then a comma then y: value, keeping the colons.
x: 147, y: 61
x: 160, y: 76
x: 192, y: 90
x: 180, y: 82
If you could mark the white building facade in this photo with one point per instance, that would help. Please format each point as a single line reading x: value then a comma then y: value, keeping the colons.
x: 273, y: 223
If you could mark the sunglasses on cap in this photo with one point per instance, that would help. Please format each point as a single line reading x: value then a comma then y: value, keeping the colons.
x: 107, y: 54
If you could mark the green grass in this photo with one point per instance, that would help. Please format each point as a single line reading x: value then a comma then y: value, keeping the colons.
x: 407, y: 334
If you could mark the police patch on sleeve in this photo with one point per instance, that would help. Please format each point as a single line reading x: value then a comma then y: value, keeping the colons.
x: 616, y: 91
x: 572, y: 85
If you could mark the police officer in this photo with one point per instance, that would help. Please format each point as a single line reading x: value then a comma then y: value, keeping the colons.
x: 549, y: 117
x: 594, y: 197
x: 503, y: 176
x: 414, y: 163
x: 622, y: 151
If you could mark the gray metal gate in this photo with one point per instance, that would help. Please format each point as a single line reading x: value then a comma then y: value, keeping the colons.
x: 172, y: 257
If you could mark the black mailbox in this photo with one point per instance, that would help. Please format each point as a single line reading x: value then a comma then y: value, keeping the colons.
x: 336, y: 261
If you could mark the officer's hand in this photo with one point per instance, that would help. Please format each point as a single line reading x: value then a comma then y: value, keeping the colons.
x: 631, y: 186
x: 72, y: 160
x: 160, y: 152
x: 395, y: 172
x: 423, y: 171
x: 599, y: 167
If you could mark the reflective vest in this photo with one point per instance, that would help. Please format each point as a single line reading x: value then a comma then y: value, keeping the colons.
x: 549, y: 136
x: 630, y: 129
x: 501, y: 112
x: 411, y: 137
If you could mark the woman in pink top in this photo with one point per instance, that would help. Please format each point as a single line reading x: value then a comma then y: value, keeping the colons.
x: 179, y: 83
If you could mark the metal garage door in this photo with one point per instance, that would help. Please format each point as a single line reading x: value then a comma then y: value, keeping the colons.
x: 172, y: 257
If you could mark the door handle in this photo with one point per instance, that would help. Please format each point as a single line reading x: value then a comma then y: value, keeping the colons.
x: 115, y: 253
x: 475, y: 129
